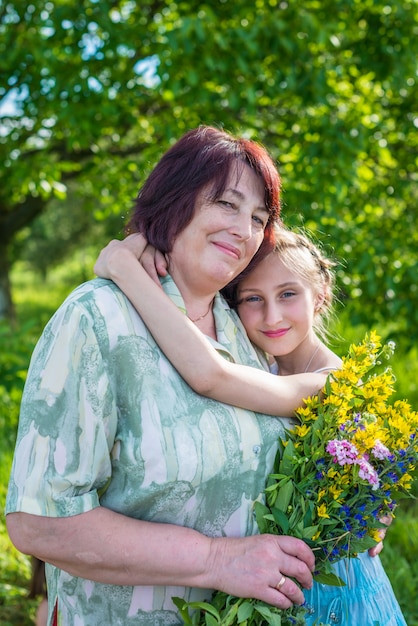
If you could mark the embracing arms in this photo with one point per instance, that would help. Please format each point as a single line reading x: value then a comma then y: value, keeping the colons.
x: 187, y: 348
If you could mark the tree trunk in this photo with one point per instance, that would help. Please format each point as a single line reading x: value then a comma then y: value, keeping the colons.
x: 7, y: 310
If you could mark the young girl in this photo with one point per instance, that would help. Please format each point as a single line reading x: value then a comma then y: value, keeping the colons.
x: 283, y: 304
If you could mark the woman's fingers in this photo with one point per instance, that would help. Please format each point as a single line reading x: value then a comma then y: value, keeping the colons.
x: 264, y: 567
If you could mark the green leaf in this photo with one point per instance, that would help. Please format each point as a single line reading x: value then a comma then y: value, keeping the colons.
x: 244, y: 612
x: 269, y: 616
x: 284, y: 496
x: 261, y: 511
x: 361, y: 545
x: 286, y: 465
x: 329, y: 579
x: 182, y: 607
x: 309, y: 531
x: 281, y: 520
x: 210, y: 620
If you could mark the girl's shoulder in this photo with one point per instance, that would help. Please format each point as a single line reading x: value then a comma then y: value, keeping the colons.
x: 327, y: 361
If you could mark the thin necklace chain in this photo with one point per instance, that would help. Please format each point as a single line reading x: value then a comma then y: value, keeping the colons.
x: 202, y: 316
x: 311, y: 359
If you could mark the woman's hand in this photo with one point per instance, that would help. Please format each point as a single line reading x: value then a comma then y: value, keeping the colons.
x: 117, y: 257
x: 263, y: 566
x: 377, y: 549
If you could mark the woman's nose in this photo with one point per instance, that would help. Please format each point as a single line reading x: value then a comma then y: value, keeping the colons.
x: 242, y: 226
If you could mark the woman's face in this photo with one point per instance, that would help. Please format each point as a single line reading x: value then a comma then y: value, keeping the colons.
x: 277, y: 307
x: 222, y: 237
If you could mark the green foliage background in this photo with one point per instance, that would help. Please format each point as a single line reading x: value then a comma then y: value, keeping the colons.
x: 100, y: 90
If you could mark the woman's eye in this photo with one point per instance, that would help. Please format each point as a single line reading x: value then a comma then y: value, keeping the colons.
x: 226, y: 203
x: 259, y: 221
x: 288, y: 294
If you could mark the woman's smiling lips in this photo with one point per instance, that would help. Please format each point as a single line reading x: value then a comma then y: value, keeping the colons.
x: 273, y: 334
x: 228, y: 248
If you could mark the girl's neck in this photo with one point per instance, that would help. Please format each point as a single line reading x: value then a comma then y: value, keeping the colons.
x: 304, y: 358
x: 317, y: 357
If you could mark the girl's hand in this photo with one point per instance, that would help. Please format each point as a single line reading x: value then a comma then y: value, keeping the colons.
x: 117, y: 258
x: 154, y: 262
x: 377, y: 549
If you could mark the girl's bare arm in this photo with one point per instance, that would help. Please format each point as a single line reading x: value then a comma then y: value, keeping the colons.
x: 186, y: 347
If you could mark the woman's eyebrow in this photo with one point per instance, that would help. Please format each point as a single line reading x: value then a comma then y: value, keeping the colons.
x: 241, y: 196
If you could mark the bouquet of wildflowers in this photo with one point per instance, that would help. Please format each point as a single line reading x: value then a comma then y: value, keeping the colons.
x: 340, y: 470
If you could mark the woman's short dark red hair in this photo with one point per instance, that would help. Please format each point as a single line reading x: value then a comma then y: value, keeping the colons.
x: 204, y: 156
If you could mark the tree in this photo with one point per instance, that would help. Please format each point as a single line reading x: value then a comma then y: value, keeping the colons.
x: 100, y: 89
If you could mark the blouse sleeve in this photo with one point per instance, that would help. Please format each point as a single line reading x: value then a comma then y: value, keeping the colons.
x: 67, y: 422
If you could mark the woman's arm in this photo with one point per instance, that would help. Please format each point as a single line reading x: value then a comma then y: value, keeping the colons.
x: 108, y: 547
x: 187, y: 348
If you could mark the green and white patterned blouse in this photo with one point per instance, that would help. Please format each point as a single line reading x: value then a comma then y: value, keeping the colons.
x: 106, y: 420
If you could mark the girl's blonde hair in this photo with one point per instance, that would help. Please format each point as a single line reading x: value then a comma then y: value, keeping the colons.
x: 301, y: 255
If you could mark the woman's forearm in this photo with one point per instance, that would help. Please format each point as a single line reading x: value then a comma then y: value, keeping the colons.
x: 109, y: 548
x: 196, y: 360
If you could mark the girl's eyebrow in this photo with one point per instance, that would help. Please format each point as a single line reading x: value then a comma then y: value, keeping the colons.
x: 279, y: 286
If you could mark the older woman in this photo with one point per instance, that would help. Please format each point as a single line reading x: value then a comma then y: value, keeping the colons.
x: 132, y: 487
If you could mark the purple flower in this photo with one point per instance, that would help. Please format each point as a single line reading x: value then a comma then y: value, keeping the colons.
x: 344, y: 452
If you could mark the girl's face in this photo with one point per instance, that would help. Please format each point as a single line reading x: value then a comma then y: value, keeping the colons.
x: 277, y: 307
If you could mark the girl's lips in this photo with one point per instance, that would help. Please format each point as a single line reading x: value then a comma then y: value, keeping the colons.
x: 273, y: 334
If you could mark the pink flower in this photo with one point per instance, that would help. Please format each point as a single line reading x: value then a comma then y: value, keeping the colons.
x: 367, y: 472
x: 344, y: 452
x: 380, y: 451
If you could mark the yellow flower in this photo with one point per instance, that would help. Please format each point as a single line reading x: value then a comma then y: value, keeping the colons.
x: 322, y: 511
x: 332, y: 472
x: 306, y: 414
x: 302, y: 430
x: 335, y: 492
x: 321, y: 494
x: 374, y: 534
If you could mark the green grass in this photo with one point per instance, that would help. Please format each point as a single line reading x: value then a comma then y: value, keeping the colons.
x: 35, y: 301
x: 400, y: 560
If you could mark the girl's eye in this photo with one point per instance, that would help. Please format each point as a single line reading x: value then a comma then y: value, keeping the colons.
x: 252, y: 299
x: 288, y: 294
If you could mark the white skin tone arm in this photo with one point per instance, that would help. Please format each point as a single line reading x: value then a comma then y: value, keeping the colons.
x: 187, y: 348
x: 107, y: 547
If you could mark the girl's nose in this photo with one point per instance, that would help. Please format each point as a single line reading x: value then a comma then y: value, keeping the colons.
x: 272, y: 314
